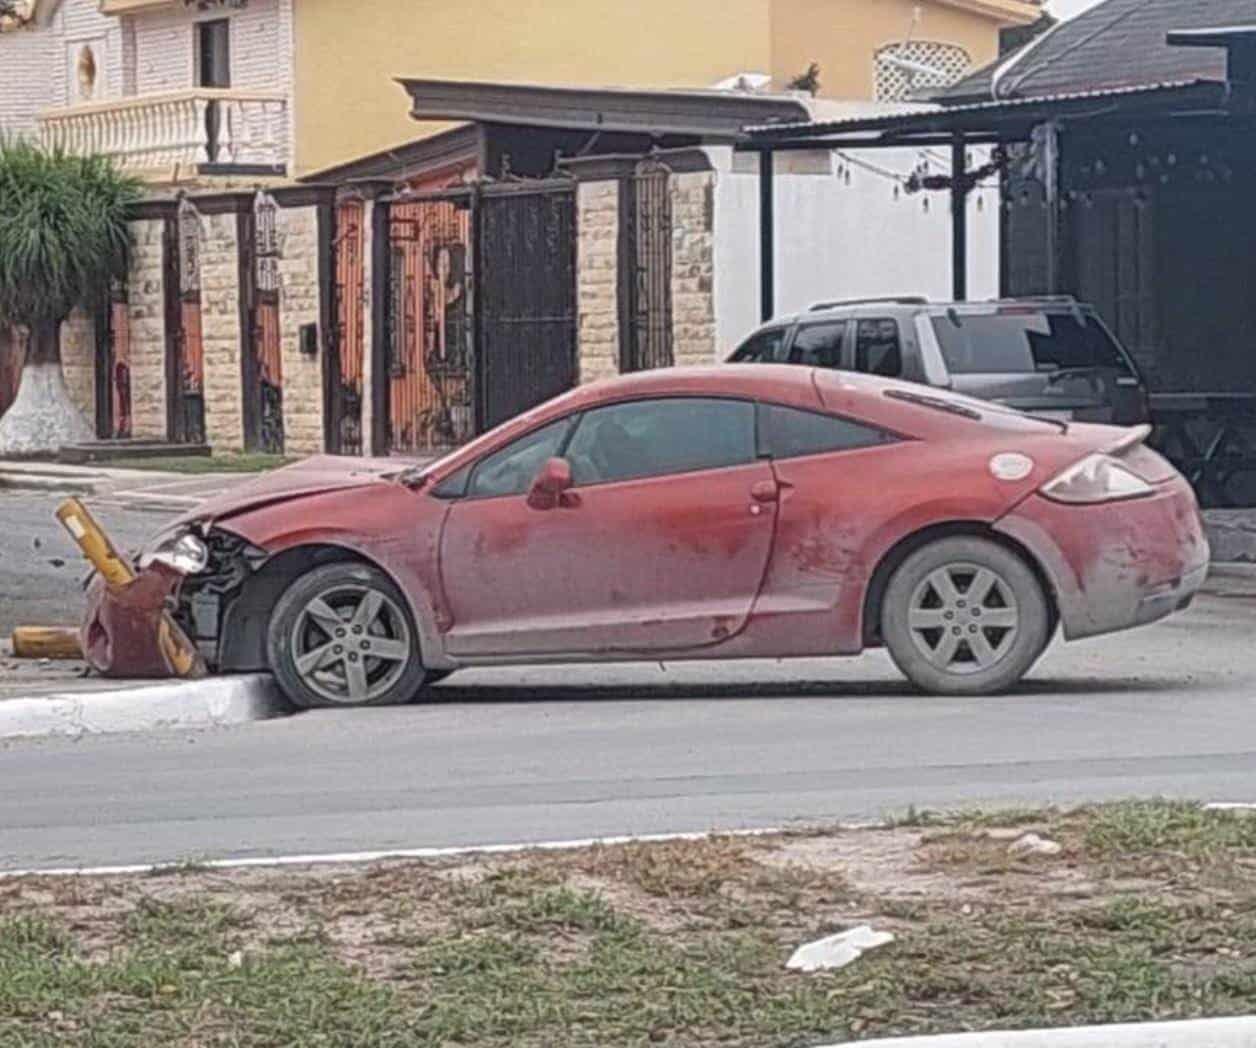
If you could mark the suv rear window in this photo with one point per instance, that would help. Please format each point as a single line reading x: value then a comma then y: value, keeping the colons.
x: 1025, y: 343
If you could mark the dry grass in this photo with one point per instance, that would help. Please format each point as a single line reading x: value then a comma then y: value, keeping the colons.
x: 1148, y: 912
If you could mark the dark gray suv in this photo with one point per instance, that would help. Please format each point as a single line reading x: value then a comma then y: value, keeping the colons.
x: 1049, y: 356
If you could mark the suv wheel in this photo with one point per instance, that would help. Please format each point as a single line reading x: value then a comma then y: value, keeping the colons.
x: 965, y: 616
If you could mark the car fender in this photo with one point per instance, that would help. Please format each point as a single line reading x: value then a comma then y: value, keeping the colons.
x: 408, y: 554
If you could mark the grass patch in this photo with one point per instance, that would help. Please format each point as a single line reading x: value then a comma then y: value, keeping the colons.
x: 681, y: 943
x: 195, y: 465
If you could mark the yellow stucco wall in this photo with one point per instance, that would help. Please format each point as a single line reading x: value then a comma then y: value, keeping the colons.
x: 347, y: 104
x: 346, y: 55
x: 845, y: 35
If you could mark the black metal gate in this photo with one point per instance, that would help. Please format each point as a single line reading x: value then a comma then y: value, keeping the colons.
x: 526, y: 296
x: 645, y: 268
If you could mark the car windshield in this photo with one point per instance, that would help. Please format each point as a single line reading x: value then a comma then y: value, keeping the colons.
x: 1025, y: 342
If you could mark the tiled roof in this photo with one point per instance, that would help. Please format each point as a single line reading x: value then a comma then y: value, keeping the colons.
x: 1119, y: 43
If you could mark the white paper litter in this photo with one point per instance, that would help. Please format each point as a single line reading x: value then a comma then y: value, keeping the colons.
x: 837, y: 951
x: 1032, y: 844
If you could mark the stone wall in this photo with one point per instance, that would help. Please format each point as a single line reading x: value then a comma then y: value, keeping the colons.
x: 147, y: 321
x: 220, y: 332
x: 298, y: 305
x: 78, y: 362
x: 597, y: 279
x: 693, y: 269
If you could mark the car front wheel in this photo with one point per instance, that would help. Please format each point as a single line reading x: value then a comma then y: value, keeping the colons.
x: 965, y: 616
x: 342, y: 635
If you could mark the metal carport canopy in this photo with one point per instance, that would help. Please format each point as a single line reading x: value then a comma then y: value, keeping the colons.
x: 983, y: 123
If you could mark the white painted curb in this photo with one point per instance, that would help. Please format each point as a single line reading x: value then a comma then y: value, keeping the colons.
x: 177, y: 704
x: 1197, y: 1033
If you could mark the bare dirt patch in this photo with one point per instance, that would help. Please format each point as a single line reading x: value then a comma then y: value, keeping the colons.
x: 1146, y: 911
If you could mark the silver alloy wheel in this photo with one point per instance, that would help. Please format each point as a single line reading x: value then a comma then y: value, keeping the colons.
x: 964, y: 618
x: 350, y: 644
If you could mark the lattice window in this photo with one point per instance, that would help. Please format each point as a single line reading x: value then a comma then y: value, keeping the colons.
x: 896, y: 81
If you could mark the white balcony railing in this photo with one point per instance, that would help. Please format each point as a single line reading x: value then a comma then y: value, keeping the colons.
x: 180, y: 129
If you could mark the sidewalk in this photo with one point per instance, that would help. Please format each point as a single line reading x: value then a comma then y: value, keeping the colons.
x: 129, y: 488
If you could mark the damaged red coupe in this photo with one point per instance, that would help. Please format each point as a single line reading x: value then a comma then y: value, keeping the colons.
x: 732, y: 512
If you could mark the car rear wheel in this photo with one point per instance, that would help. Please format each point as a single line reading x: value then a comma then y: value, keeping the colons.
x: 965, y: 616
x: 341, y: 635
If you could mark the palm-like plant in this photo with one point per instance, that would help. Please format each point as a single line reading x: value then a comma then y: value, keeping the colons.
x: 63, y: 239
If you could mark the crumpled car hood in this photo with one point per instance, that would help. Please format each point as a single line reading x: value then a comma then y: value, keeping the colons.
x: 312, y: 476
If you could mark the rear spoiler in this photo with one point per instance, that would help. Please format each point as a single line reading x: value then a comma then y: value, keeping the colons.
x: 1131, y: 438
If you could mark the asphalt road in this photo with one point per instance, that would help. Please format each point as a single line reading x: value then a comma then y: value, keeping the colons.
x: 41, y: 570
x: 558, y: 753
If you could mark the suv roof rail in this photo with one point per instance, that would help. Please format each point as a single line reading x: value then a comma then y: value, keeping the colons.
x: 1063, y: 300
x: 891, y: 300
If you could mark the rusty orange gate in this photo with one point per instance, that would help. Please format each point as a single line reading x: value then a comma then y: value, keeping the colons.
x: 430, y: 405
x: 473, y: 318
x: 113, y: 367
x: 262, y: 367
x: 185, y: 354
x: 347, y: 348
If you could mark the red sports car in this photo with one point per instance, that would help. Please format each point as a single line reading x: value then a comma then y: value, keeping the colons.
x: 713, y: 513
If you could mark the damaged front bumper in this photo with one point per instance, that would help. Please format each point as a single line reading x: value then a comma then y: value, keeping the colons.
x: 130, y: 630
x: 130, y: 627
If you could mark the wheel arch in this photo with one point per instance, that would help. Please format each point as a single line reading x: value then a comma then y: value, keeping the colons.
x: 874, y: 595
x: 242, y: 645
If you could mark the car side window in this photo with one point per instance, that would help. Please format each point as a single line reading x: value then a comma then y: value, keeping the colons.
x: 819, y: 345
x: 651, y: 438
x: 762, y: 348
x: 792, y: 432
x: 511, y: 470
x: 877, y: 349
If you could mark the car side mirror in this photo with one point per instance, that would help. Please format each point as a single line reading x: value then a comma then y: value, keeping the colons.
x: 549, y: 484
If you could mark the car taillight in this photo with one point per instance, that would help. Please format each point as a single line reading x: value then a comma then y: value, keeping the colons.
x: 1096, y: 478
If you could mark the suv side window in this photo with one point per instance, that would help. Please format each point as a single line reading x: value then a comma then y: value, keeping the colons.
x: 792, y: 432
x: 819, y: 345
x: 877, y: 348
x: 762, y: 348
x: 653, y: 438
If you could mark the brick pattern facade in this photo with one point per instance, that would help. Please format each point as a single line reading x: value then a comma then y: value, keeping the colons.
x: 597, y: 280
x: 298, y: 305
x: 693, y: 268
x: 146, y: 317
x: 220, y: 332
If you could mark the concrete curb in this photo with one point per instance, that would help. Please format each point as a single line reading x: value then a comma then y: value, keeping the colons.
x: 213, y: 702
x: 1196, y: 1033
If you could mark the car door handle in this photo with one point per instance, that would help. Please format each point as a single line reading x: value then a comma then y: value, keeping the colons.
x: 765, y: 491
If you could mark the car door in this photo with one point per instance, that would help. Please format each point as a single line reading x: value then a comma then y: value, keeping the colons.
x: 659, y: 545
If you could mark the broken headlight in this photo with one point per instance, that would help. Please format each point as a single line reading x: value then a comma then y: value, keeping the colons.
x: 181, y: 550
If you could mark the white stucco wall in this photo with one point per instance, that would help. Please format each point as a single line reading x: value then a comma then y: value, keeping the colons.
x: 836, y: 240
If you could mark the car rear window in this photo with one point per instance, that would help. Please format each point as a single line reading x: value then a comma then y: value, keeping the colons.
x: 1025, y: 343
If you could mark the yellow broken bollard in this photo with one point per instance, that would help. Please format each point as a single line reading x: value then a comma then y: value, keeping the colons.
x: 180, y: 654
x: 46, y: 642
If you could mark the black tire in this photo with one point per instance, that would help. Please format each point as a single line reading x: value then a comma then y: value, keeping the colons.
x: 965, y: 616
x: 330, y: 619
